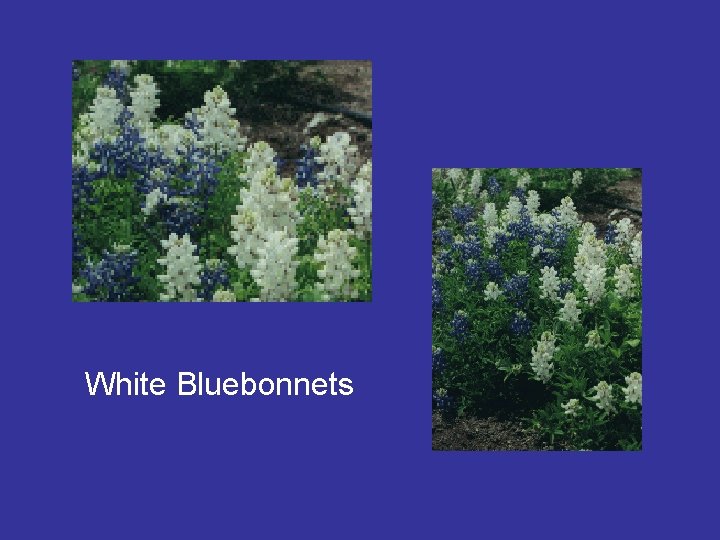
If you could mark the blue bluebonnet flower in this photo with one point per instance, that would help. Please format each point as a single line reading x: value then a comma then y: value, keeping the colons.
x: 473, y: 271
x: 193, y: 123
x: 610, y: 233
x: 308, y: 167
x: 523, y: 228
x: 124, y: 152
x: 520, y: 325
x: 443, y: 236
x: 198, y: 173
x: 82, y: 184
x: 469, y: 249
x: 493, y: 186
x: 463, y: 214
x: 437, y: 300
x: 559, y: 235
x: 111, y: 279
x: 435, y: 203
x: 494, y: 269
x: 438, y: 360
x: 77, y: 246
x: 117, y: 79
x: 471, y: 229
x: 459, y: 325
x: 75, y: 72
x: 549, y: 257
x: 445, y: 258
x: 501, y: 242
x: 566, y: 286
x: 520, y: 194
x: 213, y: 276
x: 279, y: 164
x: 516, y: 288
x: 441, y: 400
x: 180, y: 216
x: 550, y: 243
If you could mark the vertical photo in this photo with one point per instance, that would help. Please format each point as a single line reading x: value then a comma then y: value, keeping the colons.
x: 221, y: 181
x: 536, y: 309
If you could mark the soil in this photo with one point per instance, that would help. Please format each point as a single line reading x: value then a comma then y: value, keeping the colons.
x: 324, y: 87
x: 623, y: 200
x: 483, y: 434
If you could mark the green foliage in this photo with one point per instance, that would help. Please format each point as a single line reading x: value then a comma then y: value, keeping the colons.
x: 554, y: 184
x: 183, y: 83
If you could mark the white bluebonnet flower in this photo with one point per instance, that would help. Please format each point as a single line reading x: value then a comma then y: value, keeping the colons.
x: 549, y: 283
x: 532, y: 203
x: 593, y: 340
x: 590, y: 252
x: 219, y: 131
x: 566, y: 214
x: 337, y: 273
x: 512, y: 211
x: 476, y: 183
x: 633, y: 392
x: 152, y: 199
x: 455, y: 174
x: 587, y: 232
x: 100, y: 123
x: 624, y: 281
x: 546, y: 222
x: 490, y: 217
x: 182, y: 269
x: 276, y: 266
x: 172, y: 140
x: 340, y: 165
x: 120, y: 65
x: 144, y: 101
x: 589, y: 262
x: 576, y: 179
x: 542, y: 355
x: 492, y: 291
x: 361, y: 212
x: 268, y: 204
x: 625, y: 231
x: 571, y: 407
x: 524, y: 181
x: 636, y: 250
x: 569, y: 312
x: 603, y: 396
x: 594, y: 283
x: 261, y: 156
x: 492, y: 233
x: 222, y: 295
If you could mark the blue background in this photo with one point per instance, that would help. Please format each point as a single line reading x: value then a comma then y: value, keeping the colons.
x: 555, y: 84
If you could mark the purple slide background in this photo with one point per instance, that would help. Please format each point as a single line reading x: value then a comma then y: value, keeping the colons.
x: 608, y: 85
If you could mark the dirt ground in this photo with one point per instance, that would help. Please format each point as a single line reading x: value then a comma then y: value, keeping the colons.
x: 325, y: 87
x: 482, y: 434
x: 624, y: 201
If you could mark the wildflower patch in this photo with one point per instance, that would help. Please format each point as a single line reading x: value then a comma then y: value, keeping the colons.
x: 535, y: 313
x: 188, y: 210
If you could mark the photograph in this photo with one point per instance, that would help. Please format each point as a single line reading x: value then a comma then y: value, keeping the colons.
x: 536, y: 309
x: 221, y: 181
